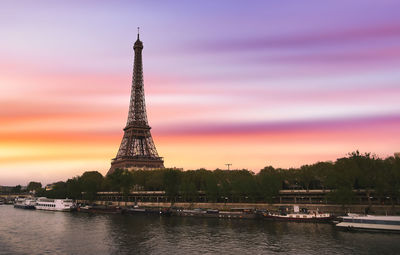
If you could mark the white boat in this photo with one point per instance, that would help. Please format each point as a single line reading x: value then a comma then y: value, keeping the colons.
x: 370, y: 222
x: 25, y: 203
x: 303, y: 215
x: 50, y: 204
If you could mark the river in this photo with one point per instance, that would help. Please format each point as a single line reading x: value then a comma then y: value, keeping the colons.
x: 43, y: 232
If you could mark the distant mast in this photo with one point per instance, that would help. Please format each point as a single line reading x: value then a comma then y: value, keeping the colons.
x: 137, y: 149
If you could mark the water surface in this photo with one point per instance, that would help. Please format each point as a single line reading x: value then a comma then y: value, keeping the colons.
x: 42, y: 232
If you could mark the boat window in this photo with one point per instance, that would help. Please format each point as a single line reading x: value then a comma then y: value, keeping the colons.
x: 369, y: 221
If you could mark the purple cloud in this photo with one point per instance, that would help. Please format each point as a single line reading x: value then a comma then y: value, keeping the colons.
x: 286, y: 126
x: 321, y: 38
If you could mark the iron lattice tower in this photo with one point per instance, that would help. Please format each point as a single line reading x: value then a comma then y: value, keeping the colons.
x: 137, y: 149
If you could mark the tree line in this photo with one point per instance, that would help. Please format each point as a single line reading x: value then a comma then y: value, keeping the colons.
x: 353, y: 172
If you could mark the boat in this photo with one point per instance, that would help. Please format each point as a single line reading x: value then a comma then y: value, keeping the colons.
x: 50, y: 204
x: 24, y: 203
x: 369, y: 222
x: 300, y: 215
x: 9, y: 201
x: 136, y: 211
x: 234, y: 213
x: 239, y: 213
x: 99, y: 209
x: 147, y: 210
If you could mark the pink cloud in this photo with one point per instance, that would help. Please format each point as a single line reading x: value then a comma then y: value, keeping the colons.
x: 347, y: 35
x: 283, y: 127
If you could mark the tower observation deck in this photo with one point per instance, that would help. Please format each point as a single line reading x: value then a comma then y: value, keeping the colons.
x: 137, y: 149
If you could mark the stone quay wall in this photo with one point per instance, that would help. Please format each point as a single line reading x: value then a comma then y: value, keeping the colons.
x: 329, y: 208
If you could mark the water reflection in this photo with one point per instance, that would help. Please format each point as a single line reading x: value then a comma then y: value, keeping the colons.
x: 39, y: 232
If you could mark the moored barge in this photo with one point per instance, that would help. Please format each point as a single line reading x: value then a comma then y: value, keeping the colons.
x: 235, y: 213
x: 100, y: 209
x: 299, y: 215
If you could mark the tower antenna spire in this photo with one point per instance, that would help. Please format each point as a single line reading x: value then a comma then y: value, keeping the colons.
x: 138, y: 32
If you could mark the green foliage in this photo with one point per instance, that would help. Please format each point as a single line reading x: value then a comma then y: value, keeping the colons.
x: 59, y: 190
x: 342, y: 195
x: 187, y: 187
x: 356, y: 171
x: 269, y: 182
x: 90, y: 183
x: 34, y: 186
x: 80, y: 187
x: 74, y: 188
x: 211, y: 185
x: 171, y: 182
x: 16, y: 190
x: 154, y: 179
x: 121, y: 180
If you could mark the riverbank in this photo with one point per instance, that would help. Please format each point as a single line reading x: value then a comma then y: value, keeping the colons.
x: 323, y: 208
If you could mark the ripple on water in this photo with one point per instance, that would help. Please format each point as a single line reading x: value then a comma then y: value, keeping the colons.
x: 41, y: 232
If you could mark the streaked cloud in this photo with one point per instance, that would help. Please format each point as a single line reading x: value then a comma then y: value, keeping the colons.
x: 355, y: 123
x: 254, y: 84
x: 341, y: 37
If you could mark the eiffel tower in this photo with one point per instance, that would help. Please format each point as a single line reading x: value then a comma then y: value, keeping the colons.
x: 137, y: 149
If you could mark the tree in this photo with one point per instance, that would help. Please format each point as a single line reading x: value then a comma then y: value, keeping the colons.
x: 322, y: 170
x: 243, y: 185
x: 91, y: 183
x: 342, y: 195
x: 188, y: 190
x: 342, y: 181
x: 16, y: 190
x: 59, y: 190
x: 269, y: 182
x: 154, y: 180
x: 380, y: 178
x: 34, y: 186
x: 223, y: 183
x: 171, y: 182
x: 210, y: 185
x: 74, y: 188
x: 306, y: 176
x: 121, y: 180
x: 388, y: 180
x: 367, y: 173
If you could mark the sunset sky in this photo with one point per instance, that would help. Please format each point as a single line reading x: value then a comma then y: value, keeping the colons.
x: 252, y: 83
